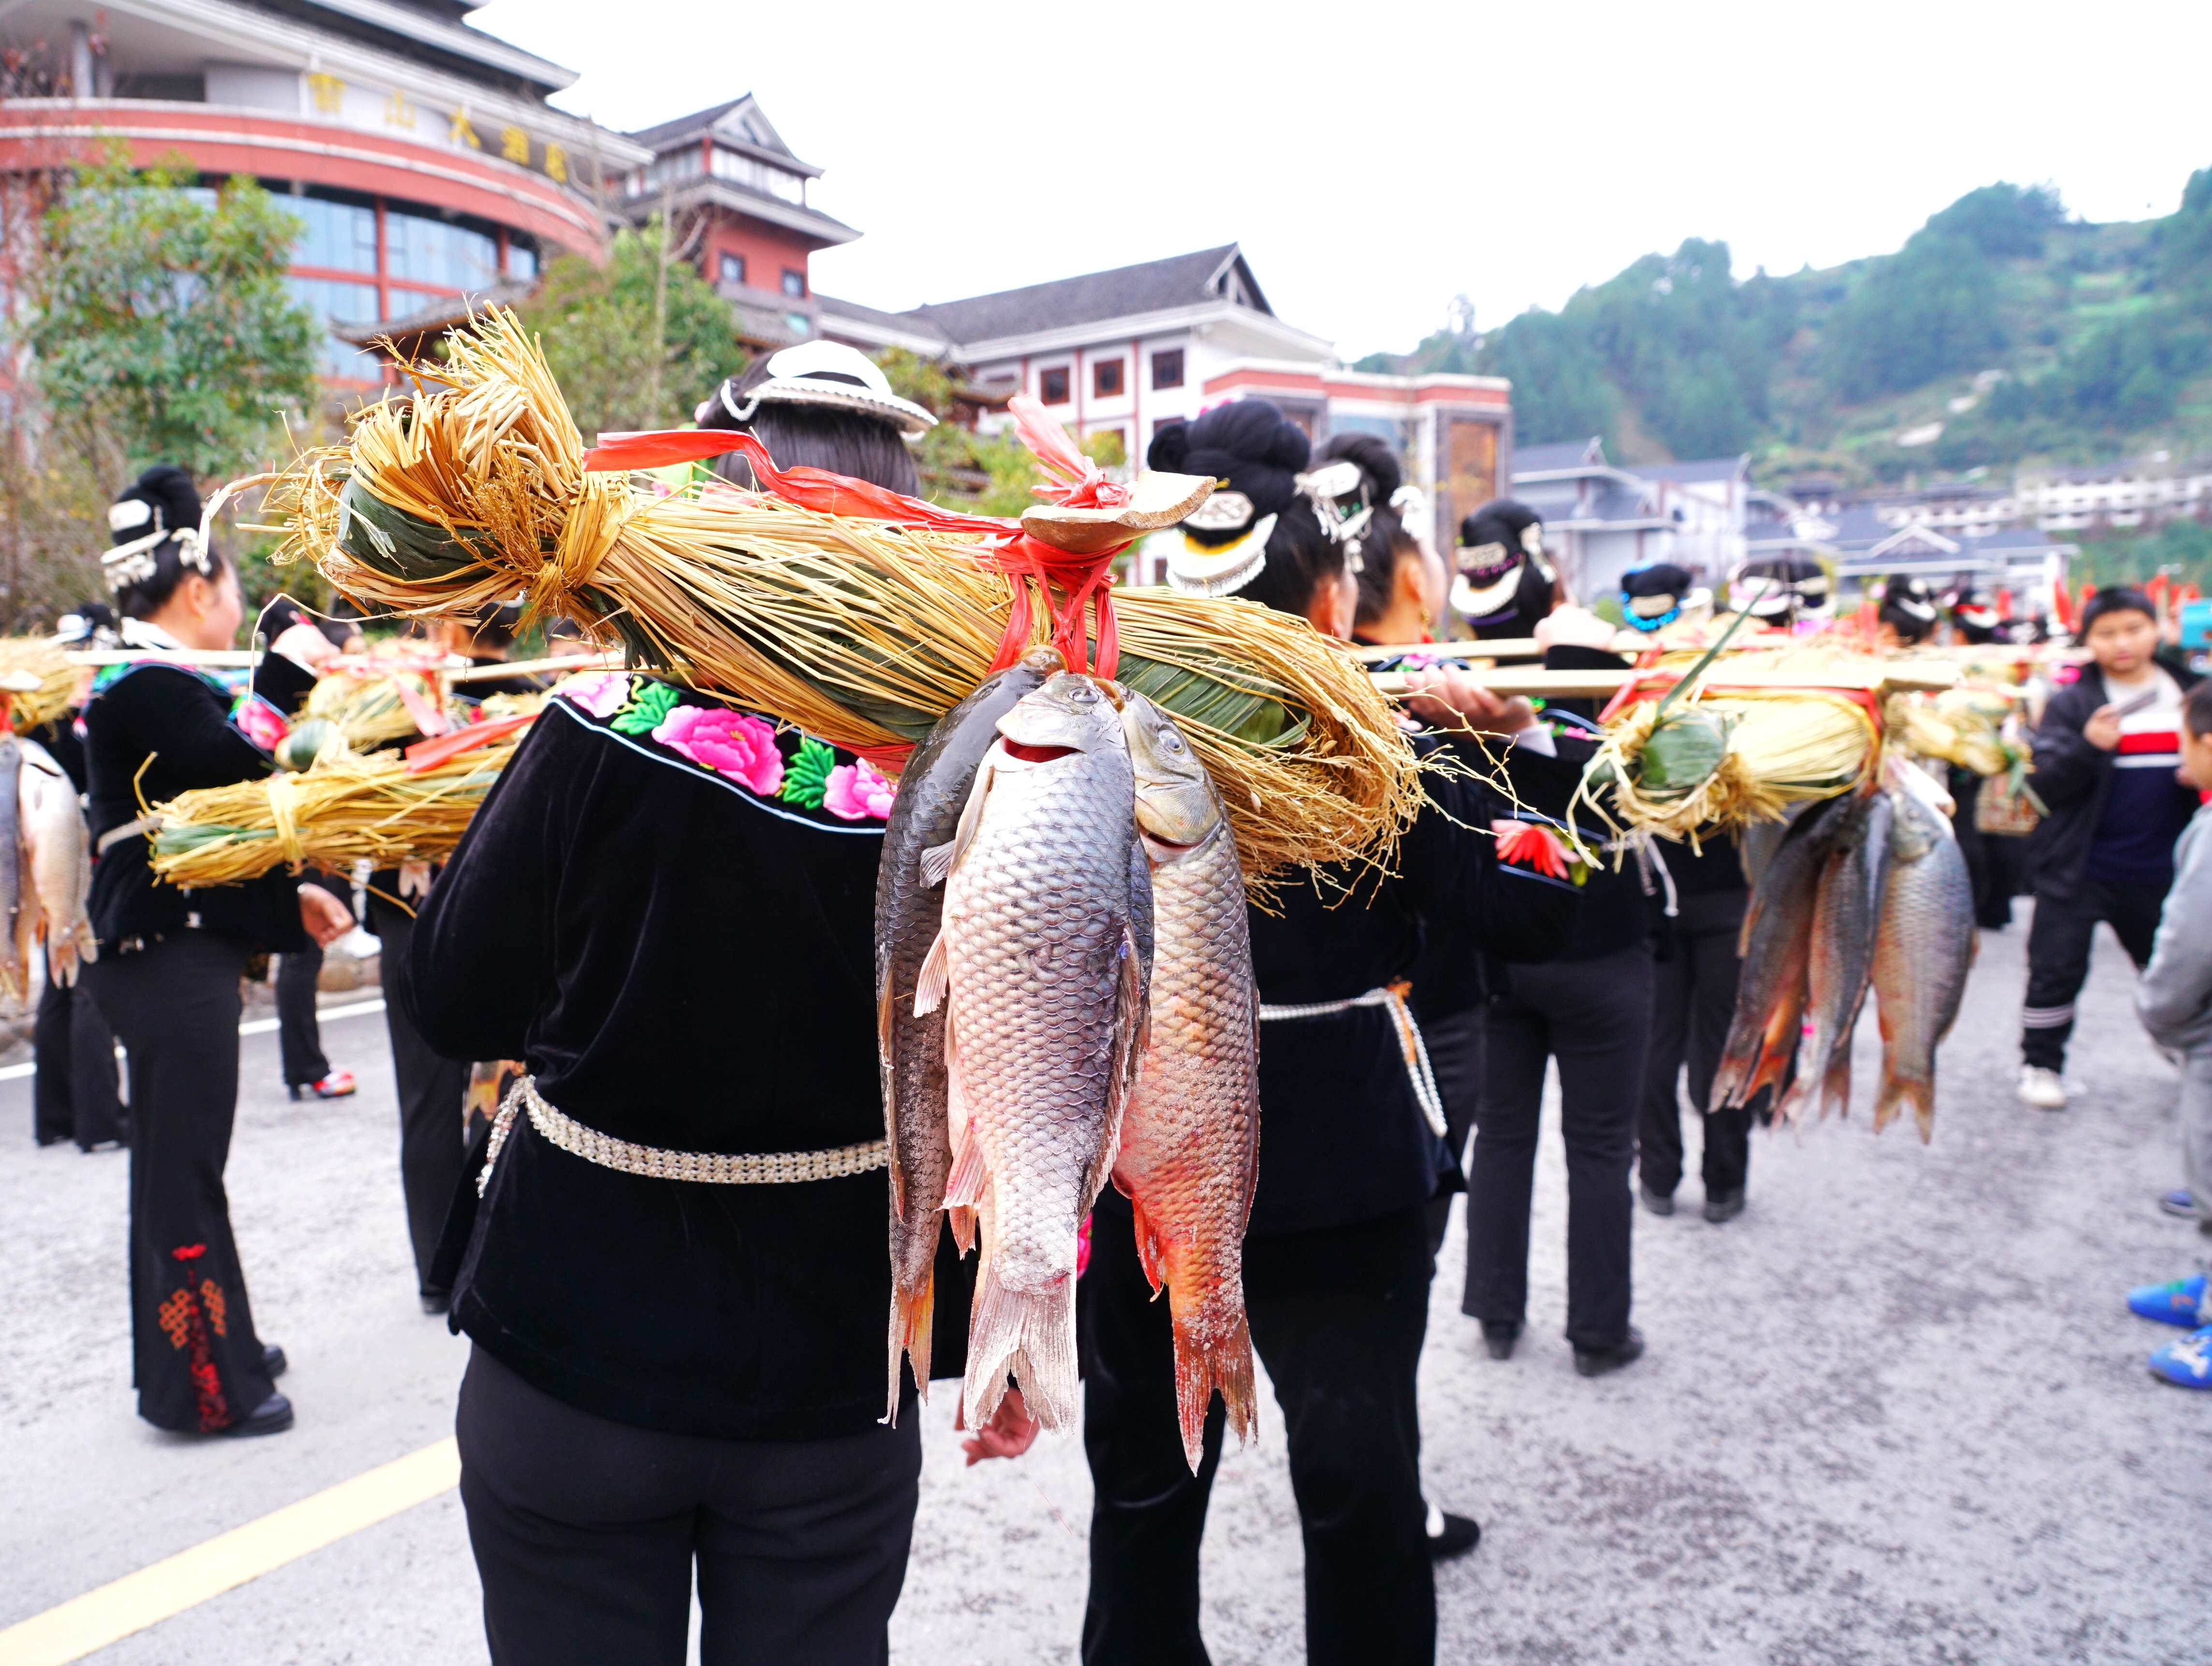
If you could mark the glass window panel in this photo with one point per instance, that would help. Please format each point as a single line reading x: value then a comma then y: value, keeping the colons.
x: 333, y: 302
x: 338, y: 236
x: 521, y: 262
x: 423, y: 251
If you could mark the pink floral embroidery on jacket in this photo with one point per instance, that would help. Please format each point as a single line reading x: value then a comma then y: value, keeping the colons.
x: 855, y: 791
x: 599, y: 693
x: 731, y: 743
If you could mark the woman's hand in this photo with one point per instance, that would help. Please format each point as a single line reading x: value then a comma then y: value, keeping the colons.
x: 303, y: 645
x: 1446, y: 698
x: 326, y: 918
x: 1010, y: 1432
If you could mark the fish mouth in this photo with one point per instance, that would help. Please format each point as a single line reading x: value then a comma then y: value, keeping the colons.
x: 1021, y: 752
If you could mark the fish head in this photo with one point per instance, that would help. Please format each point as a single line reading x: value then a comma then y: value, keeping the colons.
x: 1176, y: 807
x: 1070, y: 713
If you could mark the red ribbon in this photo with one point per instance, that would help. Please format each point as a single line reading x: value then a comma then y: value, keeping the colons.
x: 426, y: 755
x: 1008, y: 550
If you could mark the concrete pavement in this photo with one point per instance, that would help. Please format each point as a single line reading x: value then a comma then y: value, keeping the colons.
x: 1895, y: 1413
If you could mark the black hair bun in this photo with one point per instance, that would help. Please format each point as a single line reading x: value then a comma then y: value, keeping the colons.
x: 1375, y: 457
x: 1500, y: 522
x: 1169, y: 449
x: 169, y: 492
x: 1253, y: 431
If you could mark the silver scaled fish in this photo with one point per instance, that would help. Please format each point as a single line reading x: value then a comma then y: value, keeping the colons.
x: 59, y: 849
x: 1190, y: 1141
x: 1841, y: 963
x: 1039, y: 965
x: 933, y: 789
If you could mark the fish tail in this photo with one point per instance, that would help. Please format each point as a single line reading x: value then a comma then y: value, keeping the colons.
x: 1030, y: 1334
x: 1898, y: 1092
x: 1836, y: 1084
x: 1202, y: 1367
x: 913, y: 1314
x: 963, y: 1219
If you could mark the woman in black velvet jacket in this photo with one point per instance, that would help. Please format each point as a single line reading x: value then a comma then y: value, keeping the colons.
x: 1336, y: 1264
x: 167, y: 979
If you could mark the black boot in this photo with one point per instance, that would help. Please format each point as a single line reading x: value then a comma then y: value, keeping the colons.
x: 1596, y: 1362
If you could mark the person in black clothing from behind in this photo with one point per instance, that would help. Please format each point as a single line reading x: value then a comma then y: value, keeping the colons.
x: 2106, y: 753
x: 1588, y: 1006
x: 75, y: 1093
x: 167, y: 979
x: 1908, y: 615
x: 1336, y: 1259
x: 1693, y: 1001
x: 665, y: 909
x: 1995, y: 862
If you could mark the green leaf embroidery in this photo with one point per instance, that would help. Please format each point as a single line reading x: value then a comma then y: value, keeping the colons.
x: 806, y: 774
x: 648, y: 707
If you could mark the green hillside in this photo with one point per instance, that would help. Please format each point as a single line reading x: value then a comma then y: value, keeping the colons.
x: 2027, y: 336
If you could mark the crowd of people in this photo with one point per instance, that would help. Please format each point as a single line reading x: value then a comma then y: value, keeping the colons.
x: 673, y: 1376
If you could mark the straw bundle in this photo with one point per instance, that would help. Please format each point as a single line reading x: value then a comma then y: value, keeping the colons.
x: 344, y: 809
x: 857, y: 630
x: 25, y: 657
x: 1961, y: 726
x: 366, y: 706
x: 1728, y: 759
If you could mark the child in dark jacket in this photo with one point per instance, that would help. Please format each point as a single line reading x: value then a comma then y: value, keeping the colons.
x: 2105, y: 755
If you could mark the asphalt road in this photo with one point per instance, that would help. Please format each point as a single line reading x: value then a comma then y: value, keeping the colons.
x: 1896, y: 1413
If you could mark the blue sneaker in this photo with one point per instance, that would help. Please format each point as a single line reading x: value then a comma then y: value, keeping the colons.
x: 2177, y: 1301
x: 2186, y: 1361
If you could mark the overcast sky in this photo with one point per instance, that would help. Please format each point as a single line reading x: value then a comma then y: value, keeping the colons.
x: 1375, y: 159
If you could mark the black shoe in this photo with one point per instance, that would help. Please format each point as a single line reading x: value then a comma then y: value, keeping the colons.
x: 1659, y: 1202
x: 1596, y: 1362
x: 437, y: 1301
x: 272, y: 1416
x: 1451, y: 1536
x: 273, y: 1360
x: 1499, y: 1338
x: 1723, y: 1205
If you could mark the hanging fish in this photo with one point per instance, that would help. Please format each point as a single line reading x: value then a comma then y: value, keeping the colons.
x: 1190, y: 1141
x: 1840, y: 963
x: 1923, y: 950
x: 1039, y: 965
x: 1776, y: 945
x: 933, y: 789
x: 58, y: 848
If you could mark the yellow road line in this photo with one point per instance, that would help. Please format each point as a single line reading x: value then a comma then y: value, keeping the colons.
x: 92, y: 1622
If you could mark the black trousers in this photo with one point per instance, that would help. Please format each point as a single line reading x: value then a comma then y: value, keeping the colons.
x: 1454, y: 1048
x: 196, y: 1361
x: 74, y: 1090
x: 2058, y: 958
x: 1337, y: 1318
x: 432, y: 1142
x: 586, y: 1532
x: 1692, y: 1001
x: 299, y: 1037
x: 1593, y: 1016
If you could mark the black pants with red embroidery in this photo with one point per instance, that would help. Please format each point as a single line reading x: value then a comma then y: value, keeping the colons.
x: 174, y: 1006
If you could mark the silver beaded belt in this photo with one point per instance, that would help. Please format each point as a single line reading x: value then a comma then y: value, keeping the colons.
x: 1392, y: 995
x: 713, y: 1167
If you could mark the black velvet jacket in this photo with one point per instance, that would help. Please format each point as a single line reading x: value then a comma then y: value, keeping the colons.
x: 180, y: 721
x: 685, y: 961
x: 1341, y: 1136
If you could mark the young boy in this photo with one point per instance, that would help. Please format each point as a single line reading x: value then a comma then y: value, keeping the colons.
x: 2174, y: 1002
x: 2106, y: 756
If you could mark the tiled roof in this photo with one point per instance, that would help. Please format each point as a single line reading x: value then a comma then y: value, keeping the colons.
x: 1154, y: 286
x: 1571, y: 454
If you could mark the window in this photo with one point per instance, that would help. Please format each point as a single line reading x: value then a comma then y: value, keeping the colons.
x: 435, y: 253
x: 794, y: 283
x: 521, y: 262
x: 799, y: 324
x: 729, y: 267
x: 333, y: 302
x: 339, y: 236
x: 1106, y: 378
x: 1052, y: 386
x: 1167, y: 368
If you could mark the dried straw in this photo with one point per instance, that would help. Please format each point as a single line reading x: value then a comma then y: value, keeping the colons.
x: 859, y: 631
x: 39, y: 656
x: 345, y: 807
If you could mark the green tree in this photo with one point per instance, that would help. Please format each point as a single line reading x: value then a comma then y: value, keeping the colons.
x: 636, y: 342
x: 160, y: 326
x: 1929, y: 311
x: 2005, y: 222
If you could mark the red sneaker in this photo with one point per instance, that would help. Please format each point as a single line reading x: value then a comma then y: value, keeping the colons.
x: 335, y: 1085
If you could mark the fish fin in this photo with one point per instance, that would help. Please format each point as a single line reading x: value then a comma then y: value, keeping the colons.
x: 1029, y: 1333
x: 1202, y: 1367
x: 962, y: 1219
x: 936, y: 978
x: 963, y: 1187
x: 1149, y: 1255
x: 912, y: 1315
x: 937, y: 864
x: 1132, y: 1028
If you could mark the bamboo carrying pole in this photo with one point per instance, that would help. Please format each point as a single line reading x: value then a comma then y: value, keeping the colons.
x: 1897, y: 677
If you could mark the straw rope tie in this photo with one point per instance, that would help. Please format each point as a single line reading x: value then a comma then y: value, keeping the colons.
x: 711, y: 1168
x: 284, y: 814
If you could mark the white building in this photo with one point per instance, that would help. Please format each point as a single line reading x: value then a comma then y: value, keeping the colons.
x: 1132, y: 351
x: 1601, y: 519
x: 2145, y: 492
